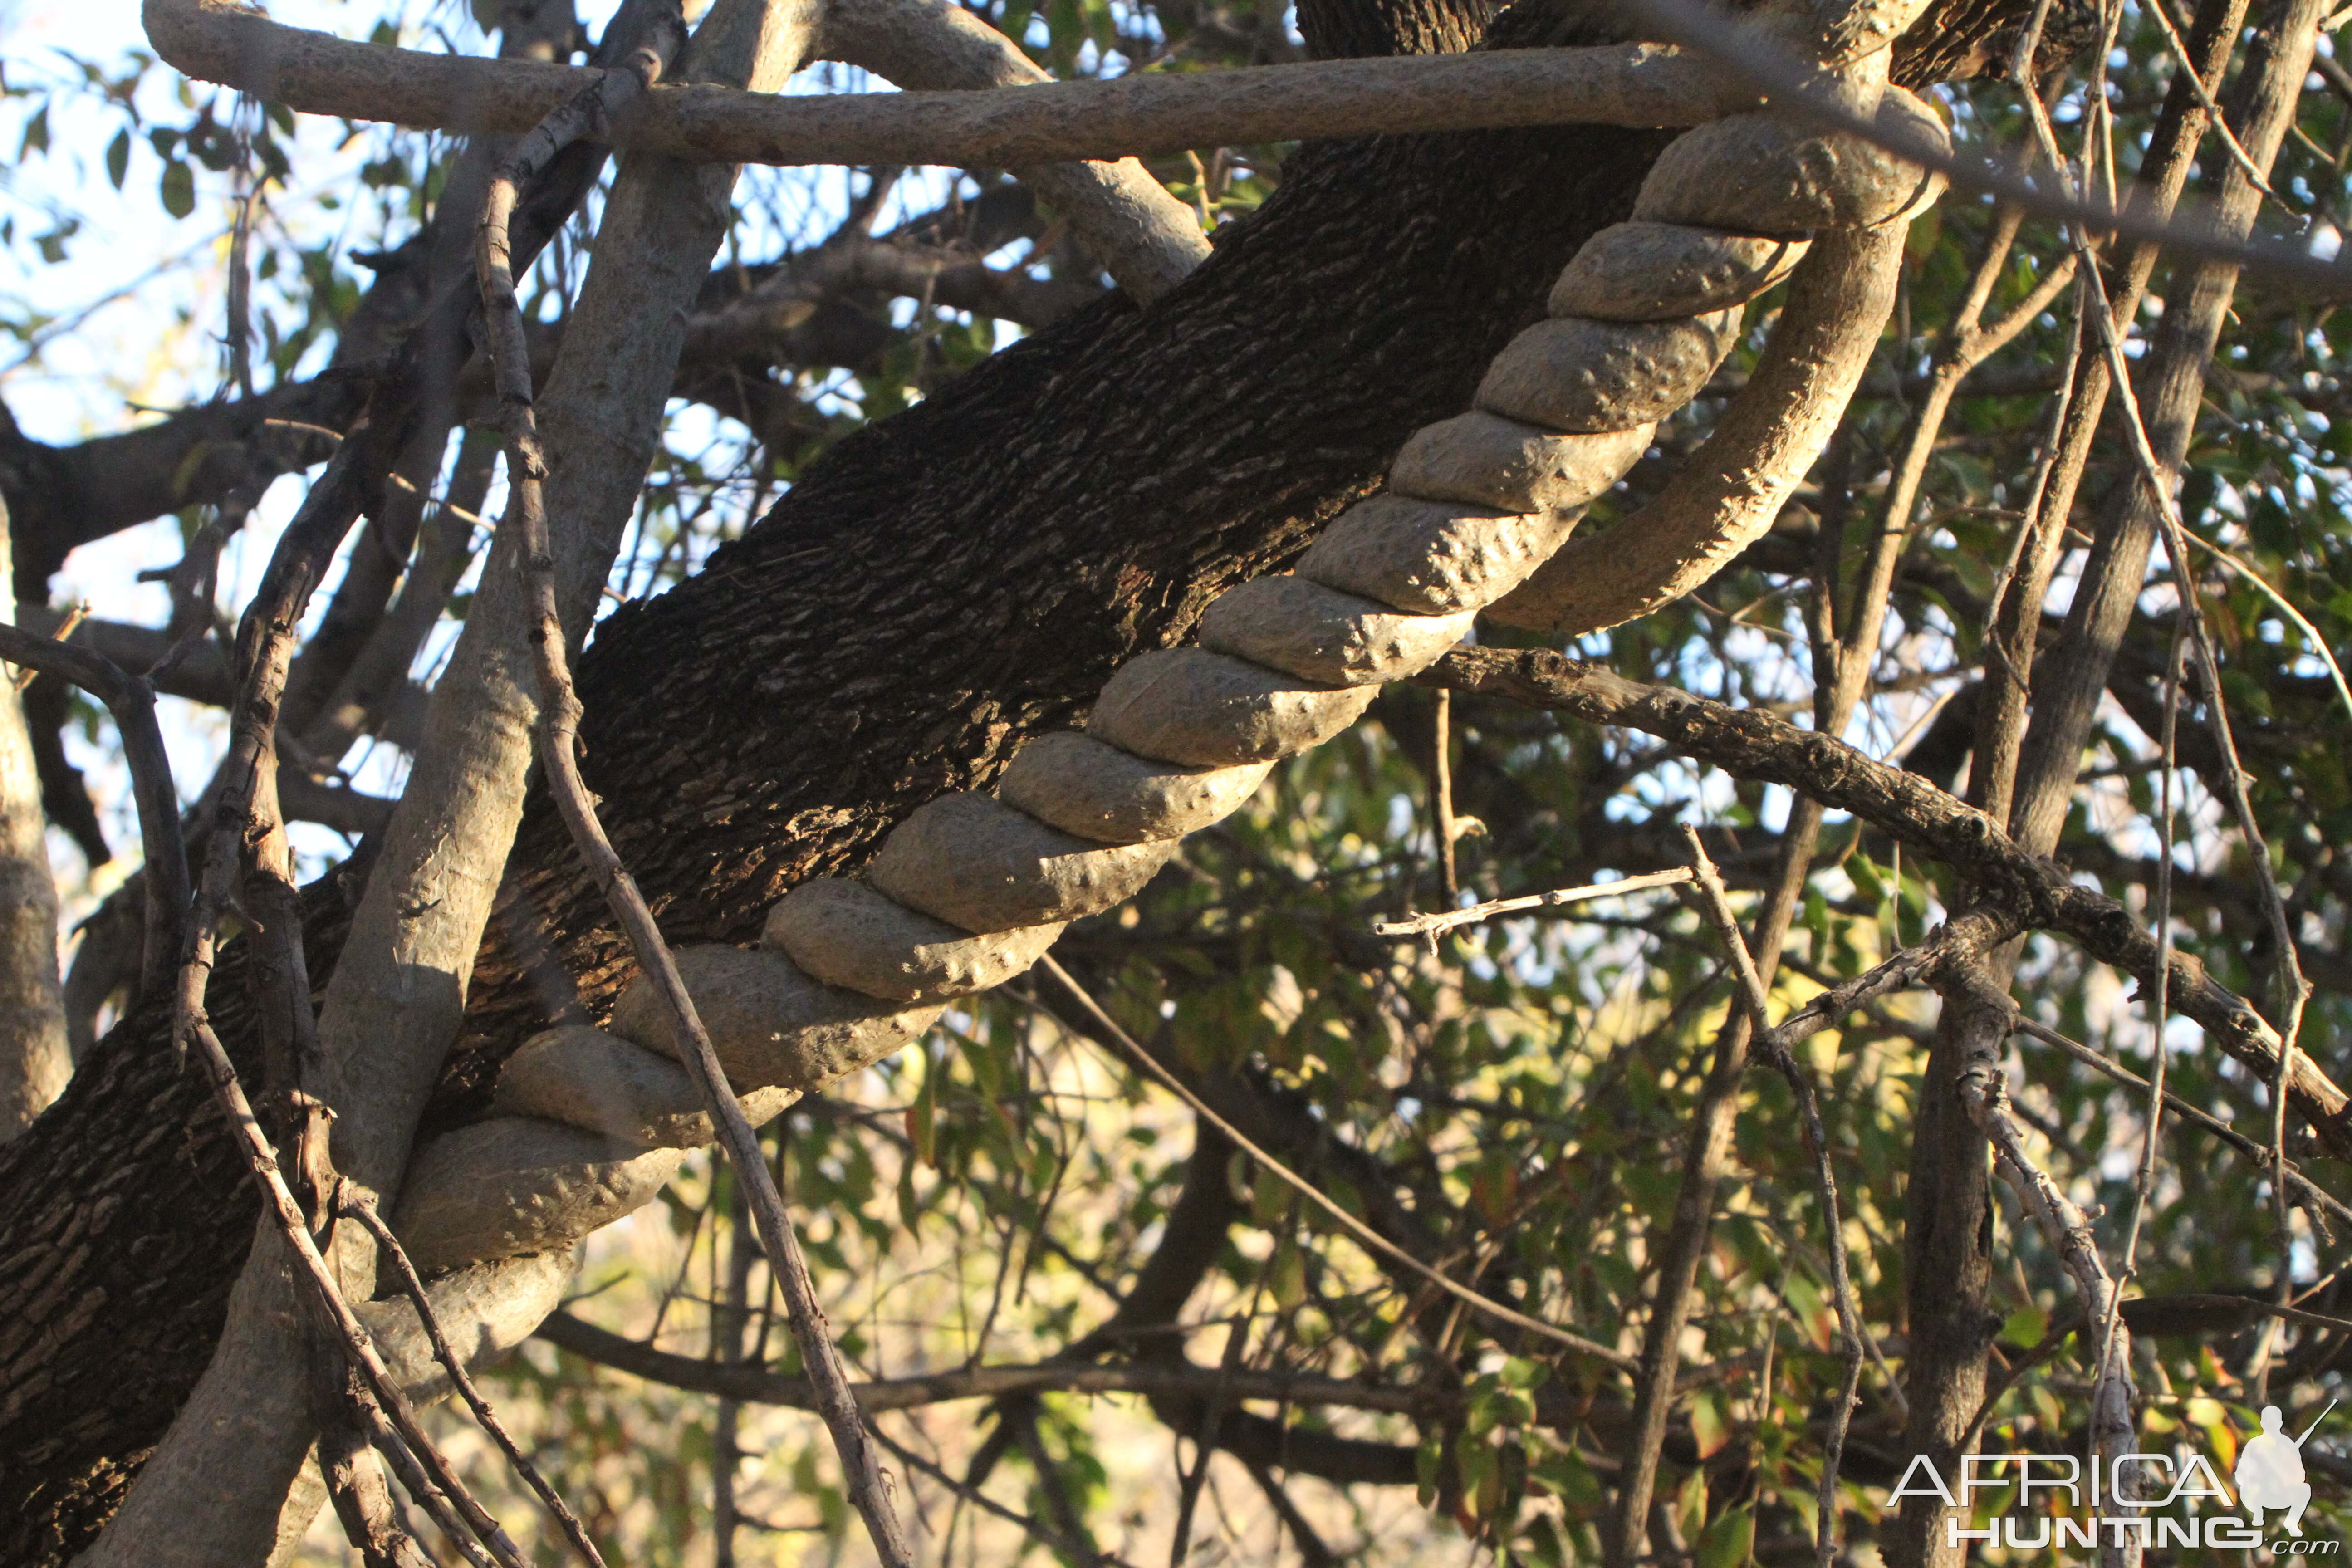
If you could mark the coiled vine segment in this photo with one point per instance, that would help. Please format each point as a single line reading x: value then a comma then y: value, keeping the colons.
x: 972, y: 888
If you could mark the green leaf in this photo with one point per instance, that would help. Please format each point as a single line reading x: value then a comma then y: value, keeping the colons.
x: 1690, y: 1504
x: 1425, y: 1460
x: 37, y: 134
x: 911, y: 1207
x: 1270, y: 1199
x: 2026, y: 1326
x: 1710, y: 1423
x: 179, y: 189
x: 1287, y: 1274
x: 1520, y: 1372
x: 117, y: 158
x: 1569, y: 1477
x: 1729, y: 1540
x: 923, y: 1116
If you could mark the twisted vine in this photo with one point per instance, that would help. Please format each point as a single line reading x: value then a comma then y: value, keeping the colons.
x: 973, y: 888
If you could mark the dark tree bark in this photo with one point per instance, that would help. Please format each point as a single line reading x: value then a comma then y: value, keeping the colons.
x: 124, y: 1217
x: 967, y: 574
x: 948, y: 582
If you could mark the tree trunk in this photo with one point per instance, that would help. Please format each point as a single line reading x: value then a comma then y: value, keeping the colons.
x: 946, y: 583
x: 34, y: 1065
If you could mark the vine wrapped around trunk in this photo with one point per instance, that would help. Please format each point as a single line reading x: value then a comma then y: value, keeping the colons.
x: 971, y: 888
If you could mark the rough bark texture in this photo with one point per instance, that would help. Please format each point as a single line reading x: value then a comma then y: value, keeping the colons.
x: 126, y: 1212
x: 34, y: 1065
x: 970, y: 572
x: 947, y: 584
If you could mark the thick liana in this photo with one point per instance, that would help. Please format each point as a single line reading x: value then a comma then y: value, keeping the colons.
x: 972, y: 888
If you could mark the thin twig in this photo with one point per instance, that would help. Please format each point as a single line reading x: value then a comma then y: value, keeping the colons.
x: 1908, y: 969
x: 1984, y: 1093
x: 1363, y: 1233
x: 281, y: 1205
x: 1430, y: 925
x: 868, y: 1483
x: 2311, y: 636
x: 75, y: 613
x: 353, y: 1475
x: 1716, y: 903
x: 1727, y: 38
x: 2158, y: 483
x: 1441, y: 775
x: 131, y: 698
x: 1969, y: 345
x: 2144, y: 1180
x: 2053, y: 1340
x: 265, y: 642
x: 2307, y: 1191
x: 414, y: 1478
x: 987, y: 1504
x: 2017, y: 890
x: 349, y: 1200
x: 752, y: 1383
x: 2219, y: 122
x: 1212, y: 1408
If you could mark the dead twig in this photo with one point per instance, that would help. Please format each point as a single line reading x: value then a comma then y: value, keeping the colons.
x: 75, y: 613
x: 1431, y: 926
x: 1716, y: 904
x: 1441, y: 792
x: 351, y: 1201
x: 1909, y: 968
x: 867, y: 1484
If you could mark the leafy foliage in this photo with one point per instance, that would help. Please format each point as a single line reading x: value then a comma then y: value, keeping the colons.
x: 1512, y: 1102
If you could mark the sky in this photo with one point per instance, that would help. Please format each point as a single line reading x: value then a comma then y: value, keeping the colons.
x: 132, y: 324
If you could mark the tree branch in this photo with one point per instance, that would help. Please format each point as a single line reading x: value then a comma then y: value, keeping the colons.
x: 1634, y: 85
x: 2015, y: 890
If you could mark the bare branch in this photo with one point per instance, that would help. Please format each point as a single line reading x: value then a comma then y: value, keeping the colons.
x: 1716, y: 903
x: 2015, y: 891
x: 2068, y: 1232
x: 1767, y: 68
x: 159, y: 822
x: 1638, y: 84
x: 358, y: 1205
x: 2303, y: 1191
x: 132, y: 700
x: 1430, y: 925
